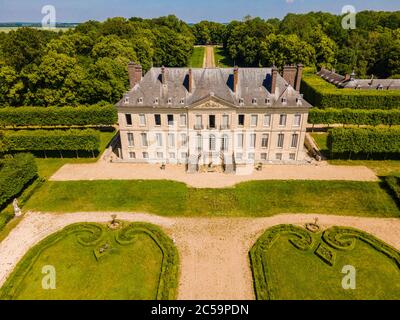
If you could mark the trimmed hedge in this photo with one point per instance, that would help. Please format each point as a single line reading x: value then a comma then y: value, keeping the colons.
x: 15, y: 174
x: 322, y: 94
x: 332, y: 239
x: 90, y: 235
x: 58, y: 116
x: 354, y: 116
x: 52, y: 140
x: 364, y: 141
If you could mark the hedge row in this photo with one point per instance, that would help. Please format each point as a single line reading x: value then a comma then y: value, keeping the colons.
x: 323, y: 94
x: 15, y: 175
x: 58, y: 116
x: 364, y: 141
x: 354, y: 116
x: 51, y: 140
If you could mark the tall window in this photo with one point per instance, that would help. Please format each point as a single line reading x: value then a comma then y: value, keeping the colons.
x: 170, y: 119
x: 184, y: 139
x: 128, y: 118
x: 281, y: 138
x: 241, y: 119
x: 145, y: 143
x: 199, y: 142
x: 142, y: 119
x: 254, y: 120
x: 199, y: 121
x: 267, y: 120
x: 240, y: 140
x: 171, y: 140
x: 157, y: 119
x: 282, y: 120
x: 252, y: 140
x: 212, y: 143
x: 297, y: 120
x: 159, y: 139
x: 131, y: 141
x: 264, y: 140
x: 225, y: 121
x: 183, y: 119
x: 211, y: 121
x: 295, y: 138
x: 225, y: 143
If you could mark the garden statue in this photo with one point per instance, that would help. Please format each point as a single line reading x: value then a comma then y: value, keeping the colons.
x: 17, y: 210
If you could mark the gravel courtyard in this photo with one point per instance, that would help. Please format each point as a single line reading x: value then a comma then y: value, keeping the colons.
x: 102, y: 170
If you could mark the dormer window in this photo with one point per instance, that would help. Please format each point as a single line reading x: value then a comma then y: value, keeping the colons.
x: 169, y: 100
x: 140, y: 100
x: 156, y: 101
x: 299, y: 102
x: 126, y: 100
x: 268, y: 101
x: 241, y: 100
x: 254, y: 101
x: 182, y: 101
x: 284, y: 101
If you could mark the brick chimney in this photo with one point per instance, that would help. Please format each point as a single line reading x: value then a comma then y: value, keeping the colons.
x: 135, y: 74
x: 235, y: 78
x: 163, y: 75
x: 190, y: 83
x: 289, y: 74
x: 274, y: 76
x: 298, y: 76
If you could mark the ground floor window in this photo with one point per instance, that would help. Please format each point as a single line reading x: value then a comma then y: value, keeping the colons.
x: 184, y: 155
x: 160, y: 155
x: 239, y: 156
x: 132, y: 155
x: 263, y: 156
x: 292, y: 156
x: 251, y: 156
x: 278, y: 156
x: 145, y: 155
x: 172, y: 155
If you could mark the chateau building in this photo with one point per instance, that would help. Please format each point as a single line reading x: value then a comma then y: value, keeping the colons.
x: 349, y: 81
x: 213, y: 116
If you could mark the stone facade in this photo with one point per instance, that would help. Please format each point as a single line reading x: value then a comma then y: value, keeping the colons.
x: 212, y: 117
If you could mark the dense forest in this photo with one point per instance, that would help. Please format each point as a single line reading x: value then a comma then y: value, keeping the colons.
x: 87, y: 64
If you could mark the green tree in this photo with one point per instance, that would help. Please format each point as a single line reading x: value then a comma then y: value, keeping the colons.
x: 285, y: 49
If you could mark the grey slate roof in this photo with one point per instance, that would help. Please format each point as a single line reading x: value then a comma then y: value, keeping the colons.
x: 254, y: 83
x: 351, y: 83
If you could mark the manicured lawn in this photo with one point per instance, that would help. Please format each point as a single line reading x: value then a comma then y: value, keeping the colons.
x: 380, y: 167
x: 292, y: 273
x: 132, y: 270
x: 48, y: 166
x: 221, y: 59
x: 197, y: 58
x: 256, y: 198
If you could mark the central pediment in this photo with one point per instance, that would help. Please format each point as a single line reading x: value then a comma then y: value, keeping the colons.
x: 212, y: 102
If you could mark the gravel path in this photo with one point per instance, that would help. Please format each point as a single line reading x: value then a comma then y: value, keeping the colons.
x: 209, y: 59
x: 213, y: 251
x: 128, y: 171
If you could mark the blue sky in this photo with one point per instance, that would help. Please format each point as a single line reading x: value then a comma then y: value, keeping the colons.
x: 190, y: 11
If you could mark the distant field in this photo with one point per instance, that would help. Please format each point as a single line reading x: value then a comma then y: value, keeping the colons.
x: 197, y: 58
x: 8, y: 29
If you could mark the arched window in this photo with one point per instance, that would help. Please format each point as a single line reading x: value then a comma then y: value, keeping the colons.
x: 225, y: 143
x: 212, y: 142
